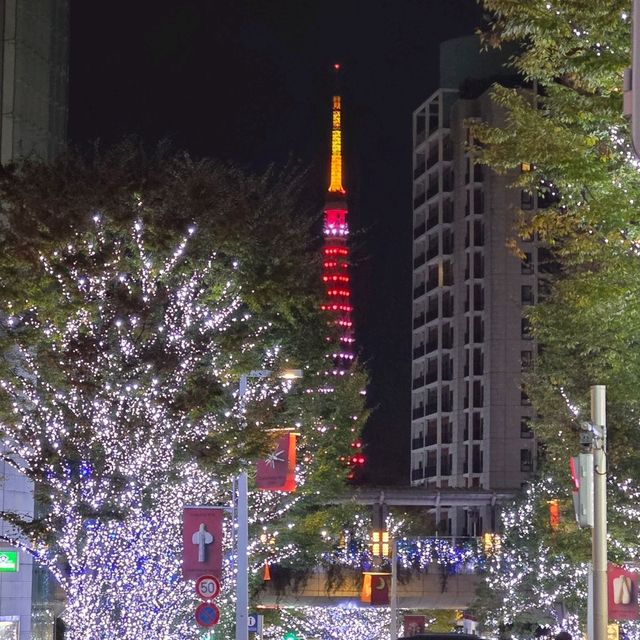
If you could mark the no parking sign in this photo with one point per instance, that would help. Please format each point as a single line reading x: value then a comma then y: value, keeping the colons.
x: 207, y: 614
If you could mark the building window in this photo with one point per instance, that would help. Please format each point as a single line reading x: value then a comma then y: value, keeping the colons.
x: 526, y: 200
x: 478, y: 297
x: 478, y: 233
x: 432, y: 433
x: 478, y: 394
x: 446, y: 432
x: 478, y: 329
x: 525, y: 427
x: 476, y: 459
x: 478, y: 424
x: 447, y: 274
x: 525, y: 329
x: 526, y: 294
x: 526, y: 360
x: 478, y: 265
x: 478, y: 362
x: 526, y: 460
x: 526, y: 266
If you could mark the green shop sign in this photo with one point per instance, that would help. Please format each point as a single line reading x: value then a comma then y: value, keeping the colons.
x: 8, y: 561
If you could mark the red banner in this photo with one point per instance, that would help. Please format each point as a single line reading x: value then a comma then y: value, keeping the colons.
x: 201, y: 542
x: 413, y: 625
x: 277, y: 472
x: 622, y: 588
x: 375, y: 588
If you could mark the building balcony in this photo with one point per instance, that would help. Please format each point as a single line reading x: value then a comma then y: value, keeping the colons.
x: 417, y: 474
x: 418, y: 261
x: 432, y: 283
x: 432, y: 314
x: 419, y: 230
x: 417, y: 413
x: 432, y: 159
x: 431, y: 470
x: 431, y: 346
x: 417, y: 443
x: 431, y: 377
x: 418, y: 352
x: 418, y: 382
x: 419, y: 291
x: 419, y: 170
x: 418, y: 200
x: 418, y: 322
x: 431, y: 408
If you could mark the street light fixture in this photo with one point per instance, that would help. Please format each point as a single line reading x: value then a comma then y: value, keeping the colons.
x: 241, y: 514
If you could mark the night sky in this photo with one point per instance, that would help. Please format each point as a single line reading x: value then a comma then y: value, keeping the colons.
x: 250, y: 81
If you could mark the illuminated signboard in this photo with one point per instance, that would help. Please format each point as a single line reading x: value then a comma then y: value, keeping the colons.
x: 8, y: 561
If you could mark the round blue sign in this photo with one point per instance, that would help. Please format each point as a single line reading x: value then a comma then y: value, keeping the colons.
x: 207, y: 614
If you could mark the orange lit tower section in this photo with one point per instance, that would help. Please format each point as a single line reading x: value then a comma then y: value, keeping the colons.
x: 335, y: 273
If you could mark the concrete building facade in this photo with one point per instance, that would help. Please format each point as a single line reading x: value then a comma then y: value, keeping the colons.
x: 33, y: 122
x: 471, y: 343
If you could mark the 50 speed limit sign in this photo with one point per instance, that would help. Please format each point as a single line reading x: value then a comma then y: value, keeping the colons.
x: 207, y: 587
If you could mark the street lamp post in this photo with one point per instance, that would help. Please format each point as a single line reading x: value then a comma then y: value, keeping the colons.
x: 241, y: 517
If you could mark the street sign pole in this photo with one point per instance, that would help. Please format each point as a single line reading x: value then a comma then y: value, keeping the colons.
x: 242, y: 545
x: 599, y: 533
x: 393, y: 627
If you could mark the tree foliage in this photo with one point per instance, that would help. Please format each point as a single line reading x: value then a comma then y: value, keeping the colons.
x: 567, y: 123
x: 135, y: 289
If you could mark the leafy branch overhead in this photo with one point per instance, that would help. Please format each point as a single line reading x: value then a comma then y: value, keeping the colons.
x: 566, y: 123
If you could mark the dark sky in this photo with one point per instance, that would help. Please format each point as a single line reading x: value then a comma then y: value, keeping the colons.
x: 250, y: 81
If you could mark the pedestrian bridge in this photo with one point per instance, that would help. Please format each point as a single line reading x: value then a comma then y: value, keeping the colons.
x: 434, y: 573
x: 417, y: 590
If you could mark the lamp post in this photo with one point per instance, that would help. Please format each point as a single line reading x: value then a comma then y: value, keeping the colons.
x: 241, y: 516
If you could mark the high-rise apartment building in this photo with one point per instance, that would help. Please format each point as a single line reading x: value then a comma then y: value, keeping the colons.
x: 471, y: 344
x: 34, y: 78
x: 33, y: 122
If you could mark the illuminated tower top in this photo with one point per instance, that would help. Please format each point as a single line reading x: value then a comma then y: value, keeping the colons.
x: 335, y: 182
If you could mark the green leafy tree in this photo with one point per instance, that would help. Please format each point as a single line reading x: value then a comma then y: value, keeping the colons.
x: 135, y: 290
x: 566, y: 122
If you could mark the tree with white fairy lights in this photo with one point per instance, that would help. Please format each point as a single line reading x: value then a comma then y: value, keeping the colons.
x: 135, y: 289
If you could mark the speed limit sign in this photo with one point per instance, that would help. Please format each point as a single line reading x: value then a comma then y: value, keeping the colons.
x: 207, y: 587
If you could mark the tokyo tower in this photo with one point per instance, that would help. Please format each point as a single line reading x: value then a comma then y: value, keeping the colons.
x: 335, y: 271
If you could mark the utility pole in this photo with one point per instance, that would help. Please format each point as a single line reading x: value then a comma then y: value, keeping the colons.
x: 393, y: 626
x: 599, y: 533
x: 632, y: 80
